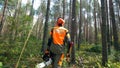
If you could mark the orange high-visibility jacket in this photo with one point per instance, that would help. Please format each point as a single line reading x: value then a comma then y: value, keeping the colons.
x: 58, y: 35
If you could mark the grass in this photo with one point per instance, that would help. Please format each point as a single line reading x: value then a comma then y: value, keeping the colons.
x: 10, y: 52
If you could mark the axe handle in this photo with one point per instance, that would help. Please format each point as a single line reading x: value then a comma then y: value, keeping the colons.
x: 69, y: 53
x: 70, y: 50
x: 71, y: 45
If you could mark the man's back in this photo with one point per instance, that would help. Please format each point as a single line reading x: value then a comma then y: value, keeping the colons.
x: 58, y: 35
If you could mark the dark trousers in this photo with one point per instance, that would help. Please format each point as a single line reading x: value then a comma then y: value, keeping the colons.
x: 56, y: 58
x: 57, y: 51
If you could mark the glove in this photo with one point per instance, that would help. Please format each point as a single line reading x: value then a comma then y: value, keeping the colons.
x: 46, y: 56
x: 71, y: 44
x: 68, y: 57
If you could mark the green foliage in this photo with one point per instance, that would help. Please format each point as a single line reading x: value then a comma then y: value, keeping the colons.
x: 1, y: 2
x: 42, y: 8
x: 10, y: 52
x: 114, y: 56
x: 90, y: 59
x: 21, y: 25
x: 113, y: 65
x: 99, y: 38
x: 25, y: 23
x: 95, y: 48
x: 1, y: 64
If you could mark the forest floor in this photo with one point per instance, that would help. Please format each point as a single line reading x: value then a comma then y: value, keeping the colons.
x: 87, y: 57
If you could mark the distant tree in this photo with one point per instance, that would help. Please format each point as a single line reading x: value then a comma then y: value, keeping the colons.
x: 95, y: 23
x: 41, y: 12
x: 57, y: 9
x: 16, y: 19
x: 103, y: 32
x: 117, y: 7
x: 31, y: 12
x: 3, y: 14
x: 114, y: 26
x: 89, y: 31
x: 63, y: 9
x: 85, y: 25
x: 70, y: 12
x: 80, y: 26
x: 17, y: 8
x: 108, y: 28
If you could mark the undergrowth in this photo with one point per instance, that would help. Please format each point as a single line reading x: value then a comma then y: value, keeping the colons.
x: 89, y: 56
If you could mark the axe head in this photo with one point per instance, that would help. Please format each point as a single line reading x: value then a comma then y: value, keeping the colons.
x: 40, y: 65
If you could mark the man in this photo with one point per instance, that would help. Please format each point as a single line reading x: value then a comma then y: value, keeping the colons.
x: 59, y: 35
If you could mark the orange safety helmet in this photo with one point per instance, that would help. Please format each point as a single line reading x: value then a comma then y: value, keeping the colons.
x: 60, y: 22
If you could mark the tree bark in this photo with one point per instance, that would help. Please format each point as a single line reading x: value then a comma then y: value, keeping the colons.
x: 45, y: 36
x: 73, y: 30
x: 80, y: 25
x: 108, y: 28
x: 95, y: 23
x: 16, y: 24
x: 63, y: 9
x: 114, y: 26
x: 70, y: 13
x: 103, y: 32
x: 2, y: 19
x: 31, y: 12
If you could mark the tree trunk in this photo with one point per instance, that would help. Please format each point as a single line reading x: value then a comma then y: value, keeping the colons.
x: 40, y: 28
x: 31, y: 12
x: 63, y: 9
x: 85, y: 30
x: 118, y: 13
x: 17, y: 8
x: 103, y: 32
x: 80, y: 25
x: 45, y: 36
x: 73, y: 29
x: 114, y: 27
x: 70, y: 12
x: 95, y: 25
x: 108, y: 28
x: 84, y: 27
x: 2, y: 19
x: 16, y: 16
